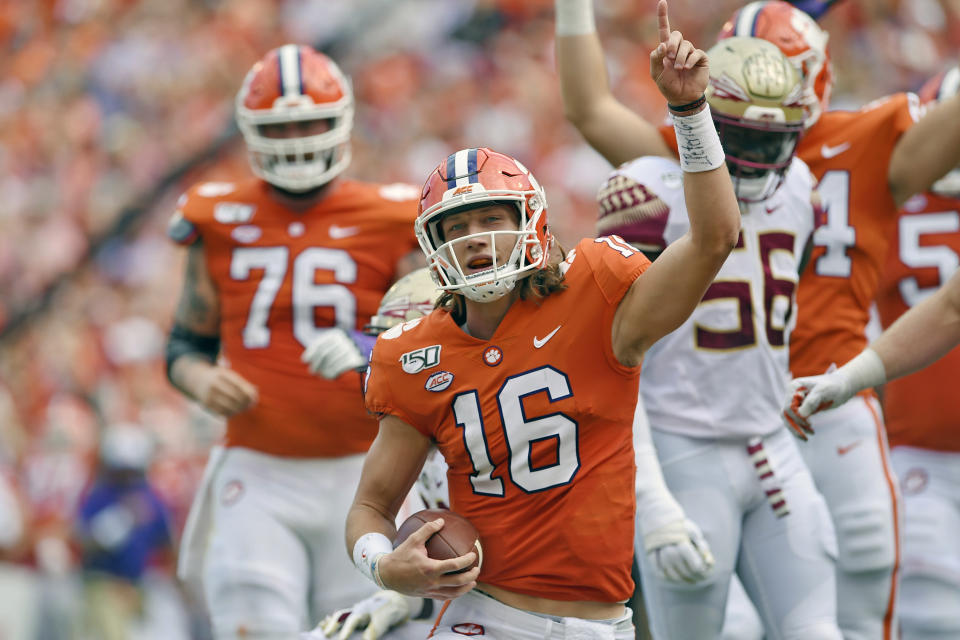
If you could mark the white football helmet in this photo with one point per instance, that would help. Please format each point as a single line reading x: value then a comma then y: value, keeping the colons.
x: 295, y: 84
x: 755, y: 99
x: 471, y: 178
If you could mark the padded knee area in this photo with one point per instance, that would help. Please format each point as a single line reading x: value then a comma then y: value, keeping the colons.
x: 865, y: 538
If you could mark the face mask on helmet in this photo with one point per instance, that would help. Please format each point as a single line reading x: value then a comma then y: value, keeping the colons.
x: 467, y: 180
x: 754, y: 95
x: 800, y: 38
x: 941, y: 87
x: 295, y: 111
x: 412, y: 296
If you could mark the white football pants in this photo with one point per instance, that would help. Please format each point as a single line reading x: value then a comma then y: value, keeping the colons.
x: 786, y: 562
x: 275, y: 560
x: 849, y: 460
x: 480, y: 616
x: 930, y: 582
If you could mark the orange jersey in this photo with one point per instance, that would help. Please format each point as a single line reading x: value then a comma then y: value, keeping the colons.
x: 922, y: 409
x: 283, y: 278
x: 849, y: 154
x: 535, y: 425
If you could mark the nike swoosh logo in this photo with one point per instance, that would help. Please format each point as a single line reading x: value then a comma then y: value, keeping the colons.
x: 842, y: 451
x: 538, y: 342
x: 829, y: 152
x: 337, y: 232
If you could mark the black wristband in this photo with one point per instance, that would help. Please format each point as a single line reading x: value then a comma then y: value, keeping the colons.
x: 182, y: 341
x: 426, y: 611
x: 690, y: 106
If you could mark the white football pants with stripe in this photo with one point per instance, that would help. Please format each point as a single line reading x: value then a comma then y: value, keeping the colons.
x: 275, y: 562
x: 774, y: 532
x: 849, y: 459
x: 930, y: 583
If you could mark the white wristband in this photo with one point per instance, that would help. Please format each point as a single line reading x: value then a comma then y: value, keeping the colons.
x: 698, y: 142
x: 367, y: 553
x: 864, y: 371
x: 574, y: 17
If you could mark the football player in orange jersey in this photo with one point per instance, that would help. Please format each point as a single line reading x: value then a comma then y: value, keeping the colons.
x: 524, y: 379
x: 921, y: 409
x: 678, y: 555
x: 273, y: 262
x: 850, y: 153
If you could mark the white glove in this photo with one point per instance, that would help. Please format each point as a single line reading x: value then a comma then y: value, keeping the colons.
x: 378, y: 613
x: 679, y: 551
x: 807, y: 396
x: 332, y: 353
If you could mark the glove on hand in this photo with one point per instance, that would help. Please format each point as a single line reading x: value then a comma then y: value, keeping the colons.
x: 377, y: 614
x: 807, y: 396
x: 679, y: 552
x: 333, y: 353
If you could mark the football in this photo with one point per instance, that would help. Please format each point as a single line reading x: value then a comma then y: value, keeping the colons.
x: 457, y: 537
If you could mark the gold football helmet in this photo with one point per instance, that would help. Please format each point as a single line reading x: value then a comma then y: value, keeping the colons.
x: 755, y: 96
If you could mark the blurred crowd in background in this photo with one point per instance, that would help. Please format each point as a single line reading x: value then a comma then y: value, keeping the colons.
x: 110, y: 108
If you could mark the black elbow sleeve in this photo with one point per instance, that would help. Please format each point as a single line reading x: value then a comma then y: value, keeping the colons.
x: 183, y: 341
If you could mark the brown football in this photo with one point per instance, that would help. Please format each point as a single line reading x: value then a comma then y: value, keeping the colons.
x: 457, y: 537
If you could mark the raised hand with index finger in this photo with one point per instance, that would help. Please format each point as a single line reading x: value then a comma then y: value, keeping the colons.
x: 680, y: 70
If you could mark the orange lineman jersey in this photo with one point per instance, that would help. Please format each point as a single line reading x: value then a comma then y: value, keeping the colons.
x: 535, y: 425
x: 283, y: 278
x: 922, y: 409
x: 849, y: 154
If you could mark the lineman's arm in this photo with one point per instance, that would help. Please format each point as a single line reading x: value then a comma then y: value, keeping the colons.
x: 661, y: 300
x: 389, y: 470
x: 924, y: 334
x: 926, y: 151
x: 194, y: 342
x: 918, y: 338
x: 611, y: 128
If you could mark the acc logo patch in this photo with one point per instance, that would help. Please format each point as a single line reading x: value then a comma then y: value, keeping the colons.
x: 233, y: 212
x: 468, y: 629
x: 492, y: 356
x: 416, y: 361
x: 438, y: 381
